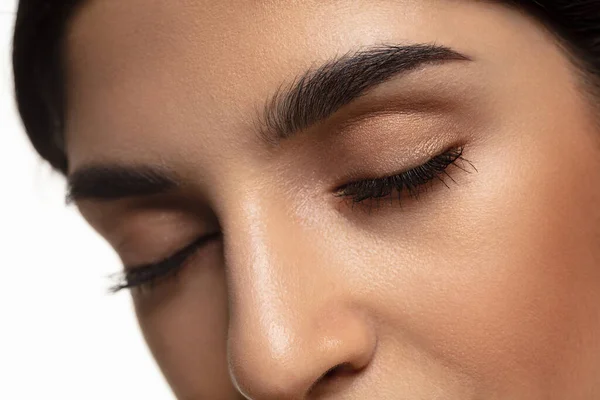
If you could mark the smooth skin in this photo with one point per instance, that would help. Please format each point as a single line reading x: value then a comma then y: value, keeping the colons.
x: 486, y: 289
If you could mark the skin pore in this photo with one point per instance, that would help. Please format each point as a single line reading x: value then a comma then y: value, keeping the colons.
x: 484, y: 286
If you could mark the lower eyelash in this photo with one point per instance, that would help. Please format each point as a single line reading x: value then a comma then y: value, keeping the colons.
x: 412, y: 181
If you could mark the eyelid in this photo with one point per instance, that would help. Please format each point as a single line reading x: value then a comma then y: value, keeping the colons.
x: 422, y: 160
x: 411, y: 180
x: 133, y: 276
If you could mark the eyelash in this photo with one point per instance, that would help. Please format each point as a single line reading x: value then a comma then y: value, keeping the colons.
x: 148, y: 276
x: 411, y: 181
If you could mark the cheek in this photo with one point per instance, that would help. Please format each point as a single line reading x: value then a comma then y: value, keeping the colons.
x: 185, y: 325
x: 502, y: 280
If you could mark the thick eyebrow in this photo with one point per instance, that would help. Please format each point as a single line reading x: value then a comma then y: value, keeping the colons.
x: 312, y: 97
x: 106, y: 182
x: 319, y: 93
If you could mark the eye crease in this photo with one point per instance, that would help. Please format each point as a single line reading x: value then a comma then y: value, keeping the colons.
x: 412, y: 181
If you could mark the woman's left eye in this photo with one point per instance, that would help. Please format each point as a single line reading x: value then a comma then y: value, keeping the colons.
x: 411, y: 181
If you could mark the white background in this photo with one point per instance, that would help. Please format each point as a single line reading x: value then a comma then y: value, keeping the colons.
x: 61, y: 335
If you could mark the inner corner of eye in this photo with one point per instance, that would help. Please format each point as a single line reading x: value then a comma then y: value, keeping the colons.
x: 339, y: 191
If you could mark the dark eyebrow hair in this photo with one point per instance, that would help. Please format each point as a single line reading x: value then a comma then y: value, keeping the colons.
x: 319, y: 93
x: 102, y: 183
x: 314, y: 96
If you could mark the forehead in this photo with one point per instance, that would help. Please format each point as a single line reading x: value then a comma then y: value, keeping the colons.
x: 144, y: 71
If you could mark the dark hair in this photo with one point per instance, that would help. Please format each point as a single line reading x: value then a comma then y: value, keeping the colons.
x: 38, y: 59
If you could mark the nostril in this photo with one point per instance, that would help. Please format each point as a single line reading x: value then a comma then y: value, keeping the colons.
x: 338, y: 371
x: 331, y: 376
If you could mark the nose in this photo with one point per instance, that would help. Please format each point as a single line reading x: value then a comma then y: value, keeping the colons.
x: 295, y: 329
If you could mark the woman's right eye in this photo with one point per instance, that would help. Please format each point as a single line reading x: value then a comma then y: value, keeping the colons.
x: 151, y: 274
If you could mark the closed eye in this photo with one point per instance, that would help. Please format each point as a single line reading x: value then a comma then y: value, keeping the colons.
x: 151, y: 274
x: 410, y: 182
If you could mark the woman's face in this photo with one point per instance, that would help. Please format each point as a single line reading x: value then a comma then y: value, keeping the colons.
x: 407, y: 194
